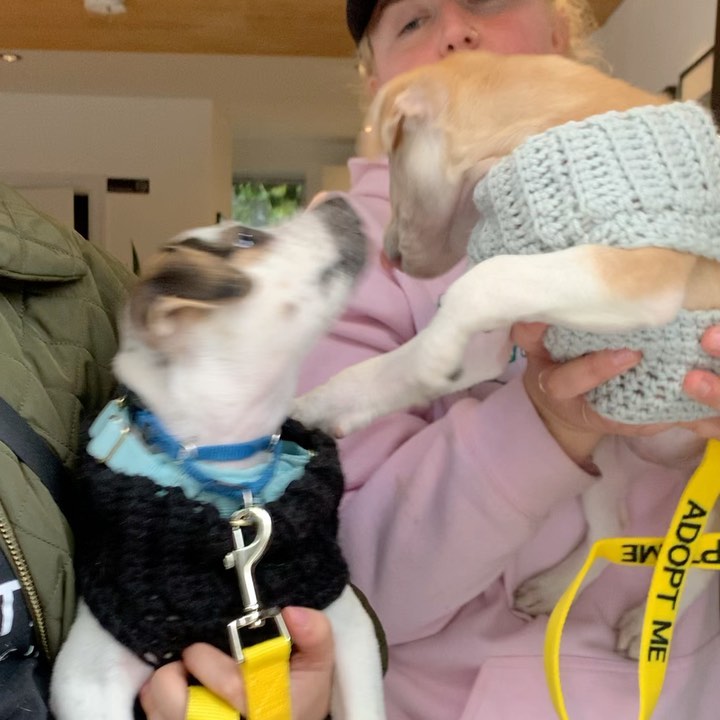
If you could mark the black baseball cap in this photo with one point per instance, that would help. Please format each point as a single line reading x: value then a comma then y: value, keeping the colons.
x: 359, y: 13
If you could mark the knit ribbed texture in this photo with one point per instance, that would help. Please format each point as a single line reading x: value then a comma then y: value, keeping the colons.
x: 149, y: 560
x: 651, y: 391
x: 646, y: 177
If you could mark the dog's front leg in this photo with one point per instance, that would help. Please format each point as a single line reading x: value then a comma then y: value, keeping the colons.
x: 576, y: 288
x: 598, y: 289
x: 396, y: 380
x: 95, y: 677
x: 357, y: 688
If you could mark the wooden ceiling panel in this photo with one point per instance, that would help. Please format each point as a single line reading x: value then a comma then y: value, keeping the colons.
x: 216, y: 27
x: 233, y: 27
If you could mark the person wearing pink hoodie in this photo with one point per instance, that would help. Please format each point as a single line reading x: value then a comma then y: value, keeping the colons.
x: 449, y: 508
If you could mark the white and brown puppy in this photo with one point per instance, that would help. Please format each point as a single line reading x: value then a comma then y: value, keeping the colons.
x: 211, y: 344
x: 444, y: 127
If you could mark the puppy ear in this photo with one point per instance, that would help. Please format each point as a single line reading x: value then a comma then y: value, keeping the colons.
x: 166, y: 317
x: 181, y: 288
x: 417, y: 102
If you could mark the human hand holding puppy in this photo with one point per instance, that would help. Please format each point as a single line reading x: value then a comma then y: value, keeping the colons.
x: 558, y: 390
x: 164, y: 696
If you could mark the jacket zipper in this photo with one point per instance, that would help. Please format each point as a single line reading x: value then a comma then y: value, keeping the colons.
x: 26, y: 581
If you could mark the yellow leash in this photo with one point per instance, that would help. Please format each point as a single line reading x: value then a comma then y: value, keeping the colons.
x: 205, y: 705
x: 265, y: 666
x: 684, y: 546
x: 267, y: 687
x: 267, y: 679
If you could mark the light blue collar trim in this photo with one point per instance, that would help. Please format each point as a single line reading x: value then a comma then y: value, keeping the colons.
x: 116, y: 443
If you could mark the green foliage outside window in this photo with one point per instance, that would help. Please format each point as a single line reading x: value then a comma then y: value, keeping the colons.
x: 258, y: 203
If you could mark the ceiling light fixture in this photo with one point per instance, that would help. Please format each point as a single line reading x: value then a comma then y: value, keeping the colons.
x: 10, y: 57
x: 105, y: 7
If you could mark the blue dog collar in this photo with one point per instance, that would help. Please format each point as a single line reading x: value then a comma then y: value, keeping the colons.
x: 156, y: 436
x: 146, y: 449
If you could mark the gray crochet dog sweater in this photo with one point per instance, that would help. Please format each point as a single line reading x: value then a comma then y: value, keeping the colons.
x: 649, y: 176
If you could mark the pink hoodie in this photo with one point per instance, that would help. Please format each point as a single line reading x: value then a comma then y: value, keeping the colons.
x: 450, y: 507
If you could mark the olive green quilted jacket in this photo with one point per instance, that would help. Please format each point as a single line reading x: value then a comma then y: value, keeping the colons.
x: 59, y: 298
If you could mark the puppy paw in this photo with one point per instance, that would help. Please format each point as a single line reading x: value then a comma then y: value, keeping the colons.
x: 629, y: 632
x: 309, y: 410
x: 539, y: 594
x: 336, y: 413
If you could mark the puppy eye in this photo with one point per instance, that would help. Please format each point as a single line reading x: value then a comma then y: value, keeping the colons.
x: 244, y: 240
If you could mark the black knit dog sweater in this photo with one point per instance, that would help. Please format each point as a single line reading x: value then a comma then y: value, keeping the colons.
x: 149, y: 561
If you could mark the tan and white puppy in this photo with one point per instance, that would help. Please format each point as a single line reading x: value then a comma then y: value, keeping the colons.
x: 443, y: 127
x: 212, y: 342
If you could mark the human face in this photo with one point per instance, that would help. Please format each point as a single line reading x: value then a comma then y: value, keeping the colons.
x: 409, y: 33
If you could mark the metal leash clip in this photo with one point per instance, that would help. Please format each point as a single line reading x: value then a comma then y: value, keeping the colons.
x: 244, y: 558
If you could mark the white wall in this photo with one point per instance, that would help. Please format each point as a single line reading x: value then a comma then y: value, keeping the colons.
x: 55, y: 201
x: 336, y: 177
x: 650, y: 42
x: 180, y: 145
x: 221, y: 173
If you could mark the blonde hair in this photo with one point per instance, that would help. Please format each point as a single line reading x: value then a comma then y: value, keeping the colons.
x: 582, y: 23
x: 580, y: 20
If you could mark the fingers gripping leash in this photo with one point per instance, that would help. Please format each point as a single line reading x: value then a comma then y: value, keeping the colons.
x: 264, y: 665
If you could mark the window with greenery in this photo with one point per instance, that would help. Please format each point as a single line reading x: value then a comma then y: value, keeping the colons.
x: 260, y: 202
